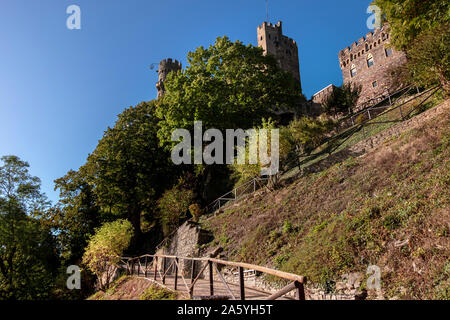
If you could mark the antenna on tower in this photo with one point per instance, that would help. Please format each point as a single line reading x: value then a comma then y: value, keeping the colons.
x: 267, y: 10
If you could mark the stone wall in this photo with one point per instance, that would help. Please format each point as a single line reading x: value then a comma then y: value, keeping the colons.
x: 185, y: 242
x: 376, y: 80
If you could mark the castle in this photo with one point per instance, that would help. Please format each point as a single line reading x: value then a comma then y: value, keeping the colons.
x: 270, y: 39
x: 284, y: 49
x: 368, y: 63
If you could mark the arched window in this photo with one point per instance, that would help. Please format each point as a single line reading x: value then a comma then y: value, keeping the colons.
x: 370, y: 61
x: 353, y: 71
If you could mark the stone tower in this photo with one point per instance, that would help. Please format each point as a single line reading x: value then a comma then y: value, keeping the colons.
x: 166, y: 66
x: 284, y: 49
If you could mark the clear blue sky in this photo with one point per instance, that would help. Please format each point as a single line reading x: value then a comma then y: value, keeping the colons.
x: 60, y: 89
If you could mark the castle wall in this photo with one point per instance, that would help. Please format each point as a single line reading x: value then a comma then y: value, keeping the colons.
x: 376, y: 79
x: 284, y: 49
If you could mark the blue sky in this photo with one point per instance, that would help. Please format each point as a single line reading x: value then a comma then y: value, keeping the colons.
x: 60, y: 88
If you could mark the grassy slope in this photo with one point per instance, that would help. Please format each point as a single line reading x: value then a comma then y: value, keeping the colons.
x: 134, y: 288
x: 355, y: 214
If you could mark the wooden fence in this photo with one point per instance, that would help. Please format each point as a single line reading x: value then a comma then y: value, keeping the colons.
x: 163, y: 265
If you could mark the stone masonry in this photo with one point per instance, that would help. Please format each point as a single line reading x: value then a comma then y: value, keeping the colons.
x: 283, y: 48
x: 166, y: 66
x: 368, y: 63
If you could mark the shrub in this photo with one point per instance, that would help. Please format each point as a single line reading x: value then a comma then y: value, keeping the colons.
x: 195, y: 211
x: 105, y: 248
x: 157, y: 293
x: 173, y: 206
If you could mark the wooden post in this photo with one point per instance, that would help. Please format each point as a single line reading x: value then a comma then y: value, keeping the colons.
x: 300, y: 292
x: 176, y: 274
x: 164, y: 270
x: 368, y: 111
x: 211, y: 278
x: 155, y: 261
x: 241, y: 282
x: 132, y: 267
x: 145, y: 272
x: 192, y: 271
x: 139, y: 266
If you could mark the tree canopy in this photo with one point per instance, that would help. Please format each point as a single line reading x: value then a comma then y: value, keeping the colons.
x: 228, y: 85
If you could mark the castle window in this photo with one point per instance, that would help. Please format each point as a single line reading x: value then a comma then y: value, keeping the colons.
x: 370, y: 46
x: 379, y: 41
x: 359, y: 54
x: 374, y: 84
x: 375, y: 44
x: 367, y: 47
x: 353, y: 71
x: 388, y: 52
x: 370, y: 61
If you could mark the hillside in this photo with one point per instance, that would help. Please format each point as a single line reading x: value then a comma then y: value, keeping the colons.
x: 388, y: 207
x: 134, y: 288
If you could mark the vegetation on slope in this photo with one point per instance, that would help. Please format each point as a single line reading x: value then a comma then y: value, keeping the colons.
x: 389, y: 208
x: 134, y: 288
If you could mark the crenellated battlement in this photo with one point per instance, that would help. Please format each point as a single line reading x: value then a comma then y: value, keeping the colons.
x: 364, y: 44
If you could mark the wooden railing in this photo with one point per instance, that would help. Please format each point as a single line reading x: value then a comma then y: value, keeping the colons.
x: 170, y: 265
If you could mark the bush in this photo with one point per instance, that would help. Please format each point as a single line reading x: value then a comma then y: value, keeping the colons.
x: 157, y: 293
x: 173, y: 206
x: 105, y: 249
x: 195, y: 211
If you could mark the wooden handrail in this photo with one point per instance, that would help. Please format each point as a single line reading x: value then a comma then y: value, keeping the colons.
x: 277, y: 273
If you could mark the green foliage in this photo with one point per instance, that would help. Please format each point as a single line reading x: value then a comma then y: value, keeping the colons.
x: 105, y: 249
x: 28, y: 258
x: 157, y: 293
x: 429, y: 58
x: 195, y: 211
x: 408, y: 18
x: 173, y: 206
x: 307, y: 133
x: 342, y: 99
x: 228, y: 85
x: 122, y: 178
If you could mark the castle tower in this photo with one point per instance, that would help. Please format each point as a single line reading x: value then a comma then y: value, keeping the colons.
x: 369, y: 63
x: 165, y: 67
x: 284, y: 49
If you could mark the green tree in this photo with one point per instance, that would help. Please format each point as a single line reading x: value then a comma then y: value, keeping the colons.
x: 28, y: 257
x: 342, y: 99
x: 409, y: 18
x: 226, y: 86
x: 105, y: 249
x: 123, y: 178
x: 76, y: 216
x: 173, y: 206
x: 429, y: 58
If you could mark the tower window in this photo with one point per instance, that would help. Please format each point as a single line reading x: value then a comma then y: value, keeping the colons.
x: 375, y: 84
x: 388, y: 52
x: 370, y: 61
x: 353, y: 71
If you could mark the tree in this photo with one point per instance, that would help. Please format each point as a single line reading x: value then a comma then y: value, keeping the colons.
x: 76, y: 216
x: 105, y: 249
x: 226, y: 86
x: 408, y: 18
x: 173, y: 206
x: 342, y: 99
x: 429, y: 58
x: 27, y: 248
x: 123, y: 178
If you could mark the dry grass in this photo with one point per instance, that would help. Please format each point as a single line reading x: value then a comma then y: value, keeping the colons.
x: 356, y: 213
